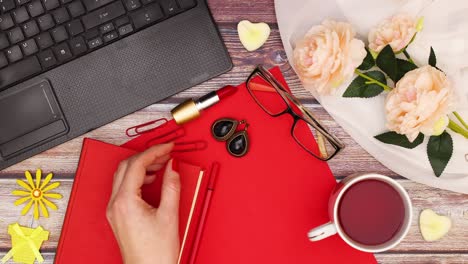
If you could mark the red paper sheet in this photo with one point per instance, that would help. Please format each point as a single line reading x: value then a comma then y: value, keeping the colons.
x: 86, y: 234
x: 265, y: 202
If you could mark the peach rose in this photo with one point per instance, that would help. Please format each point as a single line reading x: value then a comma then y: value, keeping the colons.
x: 396, y: 31
x: 420, y: 102
x: 328, y: 55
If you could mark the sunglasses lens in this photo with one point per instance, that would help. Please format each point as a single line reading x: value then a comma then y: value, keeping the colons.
x: 222, y: 128
x: 238, y: 144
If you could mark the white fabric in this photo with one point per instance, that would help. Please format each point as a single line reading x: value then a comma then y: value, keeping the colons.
x: 445, y: 28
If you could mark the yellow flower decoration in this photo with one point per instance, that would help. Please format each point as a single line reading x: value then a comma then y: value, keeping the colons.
x: 37, y: 193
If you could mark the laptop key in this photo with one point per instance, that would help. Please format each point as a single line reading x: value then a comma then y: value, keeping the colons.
x: 75, y: 27
x: 121, y: 21
x: 59, y: 34
x: 15, y: 35
x: 93, y: 4
x: 111, y: 36
x: 14, y: 53
x: 51, y: 4
x: 94, y: 43
x: 3, y: 41
x: 132, y: 4
x: 61, y: 15
x: 6, y: 22
x: 76, y: 9
x: 124, y: 30
x: 103, y: 15
x: 186, y: 4
x: 147, y: 15
x: 3, y: 60
x: 29, y: 47
x: 169, y: 7
x: 145, y: 2
x: 47, y: 59
x: 20, y: 15
x: 46, y: 22
x: 44, y: 40
x: 6, y: 5
x: 22, y: 2
x: 90, y: 34
x: 62, y: 52
x: 35, y: 8
x: 20, y: 70
x: 106, y: 28
x: 78, y: 45
x: 30, y: 28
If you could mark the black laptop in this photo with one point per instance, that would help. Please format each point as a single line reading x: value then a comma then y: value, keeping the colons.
x: 70, y: 66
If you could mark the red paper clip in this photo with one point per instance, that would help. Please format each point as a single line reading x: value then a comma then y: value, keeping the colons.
x: 166, y: 138
x: 145, y: 128
x: 189, y: 146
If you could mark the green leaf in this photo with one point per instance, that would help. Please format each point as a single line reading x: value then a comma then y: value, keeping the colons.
x: 439, y: 152
x: 432, y: 58
x: 368, y: 62
x: 404, y: 66
x: 363, y: 88
x: 394, y: 138
x: 387, y: 62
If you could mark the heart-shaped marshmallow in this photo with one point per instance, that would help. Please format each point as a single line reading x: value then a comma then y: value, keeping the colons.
x: 253, y: 35
x: 433, y: 226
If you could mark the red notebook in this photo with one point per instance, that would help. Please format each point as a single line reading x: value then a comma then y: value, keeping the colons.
x: 87, y: 236
x: 265, y: 202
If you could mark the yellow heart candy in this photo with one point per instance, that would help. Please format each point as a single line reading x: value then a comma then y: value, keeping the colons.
x: 253, y: 35
x: 433, y: 226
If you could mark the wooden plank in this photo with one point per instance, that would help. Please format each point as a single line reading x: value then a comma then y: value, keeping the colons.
x: 381, y: 258
x: 233, y: 11
x: 64, y: 158
x: 421, y: 258
x: 449, y: 203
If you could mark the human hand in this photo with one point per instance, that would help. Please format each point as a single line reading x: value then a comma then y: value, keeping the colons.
x: 146, y: 234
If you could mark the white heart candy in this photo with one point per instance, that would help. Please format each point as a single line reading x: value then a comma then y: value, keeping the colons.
x: 253, y: 35
x: 433, y: 226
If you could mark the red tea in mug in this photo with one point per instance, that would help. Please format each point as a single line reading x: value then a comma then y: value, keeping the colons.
x: 371, y: 212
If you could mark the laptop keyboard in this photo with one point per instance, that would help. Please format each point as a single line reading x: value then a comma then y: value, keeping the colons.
x: 38, y: 35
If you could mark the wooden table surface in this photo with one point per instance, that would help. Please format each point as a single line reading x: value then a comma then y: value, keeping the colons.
x: 63, y: 159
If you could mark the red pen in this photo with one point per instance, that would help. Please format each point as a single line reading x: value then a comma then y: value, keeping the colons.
x: 204, y: 214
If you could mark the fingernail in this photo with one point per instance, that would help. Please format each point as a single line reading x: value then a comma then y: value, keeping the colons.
x: 175, y: 165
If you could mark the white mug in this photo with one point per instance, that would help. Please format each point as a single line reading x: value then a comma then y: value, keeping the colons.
x: 334, y: 225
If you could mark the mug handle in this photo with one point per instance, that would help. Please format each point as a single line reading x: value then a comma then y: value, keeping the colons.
x: 322, y: 231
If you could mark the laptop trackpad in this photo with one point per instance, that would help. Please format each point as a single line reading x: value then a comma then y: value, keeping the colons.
x: 29, y: 117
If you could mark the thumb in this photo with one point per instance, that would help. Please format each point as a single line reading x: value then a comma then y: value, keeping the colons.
x: 170, y: 193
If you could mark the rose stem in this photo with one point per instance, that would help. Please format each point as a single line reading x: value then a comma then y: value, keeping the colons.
x: 386, y: 88
x: 408, y: 56
x: 457, y: 129
x: 460, y: 119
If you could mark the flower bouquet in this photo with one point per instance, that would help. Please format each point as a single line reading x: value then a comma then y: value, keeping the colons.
x: 407, y: 102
